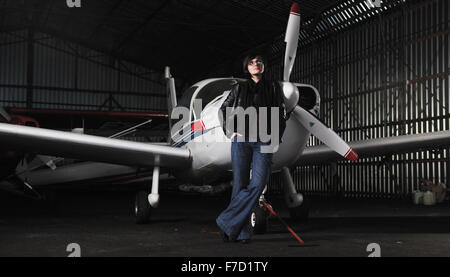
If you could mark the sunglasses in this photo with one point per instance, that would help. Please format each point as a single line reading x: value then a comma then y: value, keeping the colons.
x: 255, y: 62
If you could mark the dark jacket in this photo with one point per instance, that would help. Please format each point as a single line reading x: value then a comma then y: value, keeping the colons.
x: 242, y: 95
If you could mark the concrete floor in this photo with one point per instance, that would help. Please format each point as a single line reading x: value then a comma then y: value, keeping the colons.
x: 102, y: 224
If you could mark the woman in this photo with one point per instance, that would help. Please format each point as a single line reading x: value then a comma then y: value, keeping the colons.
x: 257, y: 92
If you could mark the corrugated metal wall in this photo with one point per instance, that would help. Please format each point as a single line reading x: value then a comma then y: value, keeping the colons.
x: 13, y: 68
x: 68, y: 76
x: 387, y: 77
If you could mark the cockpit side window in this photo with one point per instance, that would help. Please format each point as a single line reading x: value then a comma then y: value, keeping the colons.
x: 211, y: 91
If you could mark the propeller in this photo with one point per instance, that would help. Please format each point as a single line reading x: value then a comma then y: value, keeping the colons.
x: 291, y: 39
x: 291, y: 93
x: 324, y: 133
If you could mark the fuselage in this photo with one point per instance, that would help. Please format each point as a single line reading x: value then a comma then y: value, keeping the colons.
x: 202, y: 135
x: 211, y: 149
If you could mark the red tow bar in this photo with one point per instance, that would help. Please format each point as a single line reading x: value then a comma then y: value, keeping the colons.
x: 284, y: 223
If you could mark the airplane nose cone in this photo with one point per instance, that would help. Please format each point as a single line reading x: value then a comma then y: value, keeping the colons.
x: 291, y: 95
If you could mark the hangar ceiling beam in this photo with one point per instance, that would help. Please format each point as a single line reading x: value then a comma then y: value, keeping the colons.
x: 108, y: 14
x: 244, y: 4
x: 128, y: 38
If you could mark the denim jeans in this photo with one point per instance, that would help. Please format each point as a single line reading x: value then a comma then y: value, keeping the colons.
x: 235, y: 219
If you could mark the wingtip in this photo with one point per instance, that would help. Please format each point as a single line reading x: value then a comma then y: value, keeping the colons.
x: 295, y: 8
x: 351, y: 155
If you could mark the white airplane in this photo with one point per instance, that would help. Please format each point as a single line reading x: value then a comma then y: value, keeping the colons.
x: 196, y: 155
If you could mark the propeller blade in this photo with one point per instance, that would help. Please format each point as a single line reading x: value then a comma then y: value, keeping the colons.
x: 324, y: 134
x: 291, y: 39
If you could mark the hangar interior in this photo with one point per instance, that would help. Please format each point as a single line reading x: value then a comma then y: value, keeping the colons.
x: 381, y: 72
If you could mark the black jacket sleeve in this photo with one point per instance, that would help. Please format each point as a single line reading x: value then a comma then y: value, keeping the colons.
x: 229, y: 103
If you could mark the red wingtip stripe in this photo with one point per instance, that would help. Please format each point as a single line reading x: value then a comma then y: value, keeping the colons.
x: 295, y: 8
x: 351, y: 155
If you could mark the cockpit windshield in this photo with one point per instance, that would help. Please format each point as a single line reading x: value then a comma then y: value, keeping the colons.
x: 185, y: 101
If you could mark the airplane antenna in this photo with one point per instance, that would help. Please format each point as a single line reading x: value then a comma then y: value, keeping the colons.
x: 130, y: 130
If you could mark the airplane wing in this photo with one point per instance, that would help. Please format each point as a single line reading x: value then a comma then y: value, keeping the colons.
x: 377, y: 147
x: 91, y: 148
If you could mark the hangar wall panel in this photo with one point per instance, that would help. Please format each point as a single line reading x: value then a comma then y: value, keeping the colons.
x: 13, y: 66
x: 68, y: 76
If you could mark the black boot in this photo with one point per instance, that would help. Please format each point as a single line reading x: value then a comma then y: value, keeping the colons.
x: 224, y: 236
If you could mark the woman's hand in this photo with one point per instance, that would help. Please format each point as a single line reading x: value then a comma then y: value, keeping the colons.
x: 235, y: 134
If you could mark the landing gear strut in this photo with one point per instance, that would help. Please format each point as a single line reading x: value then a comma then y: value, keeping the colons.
x: 144, y: 202
x: 298, y: 207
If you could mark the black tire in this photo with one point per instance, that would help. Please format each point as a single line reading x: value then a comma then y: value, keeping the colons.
x: 258, y: 220
x: 300, y: 213
x: 142, y: 208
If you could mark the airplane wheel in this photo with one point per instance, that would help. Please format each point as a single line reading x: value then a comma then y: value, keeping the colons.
x: 142, y: 208
x: 258, y: 220
x: 300, y: 213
